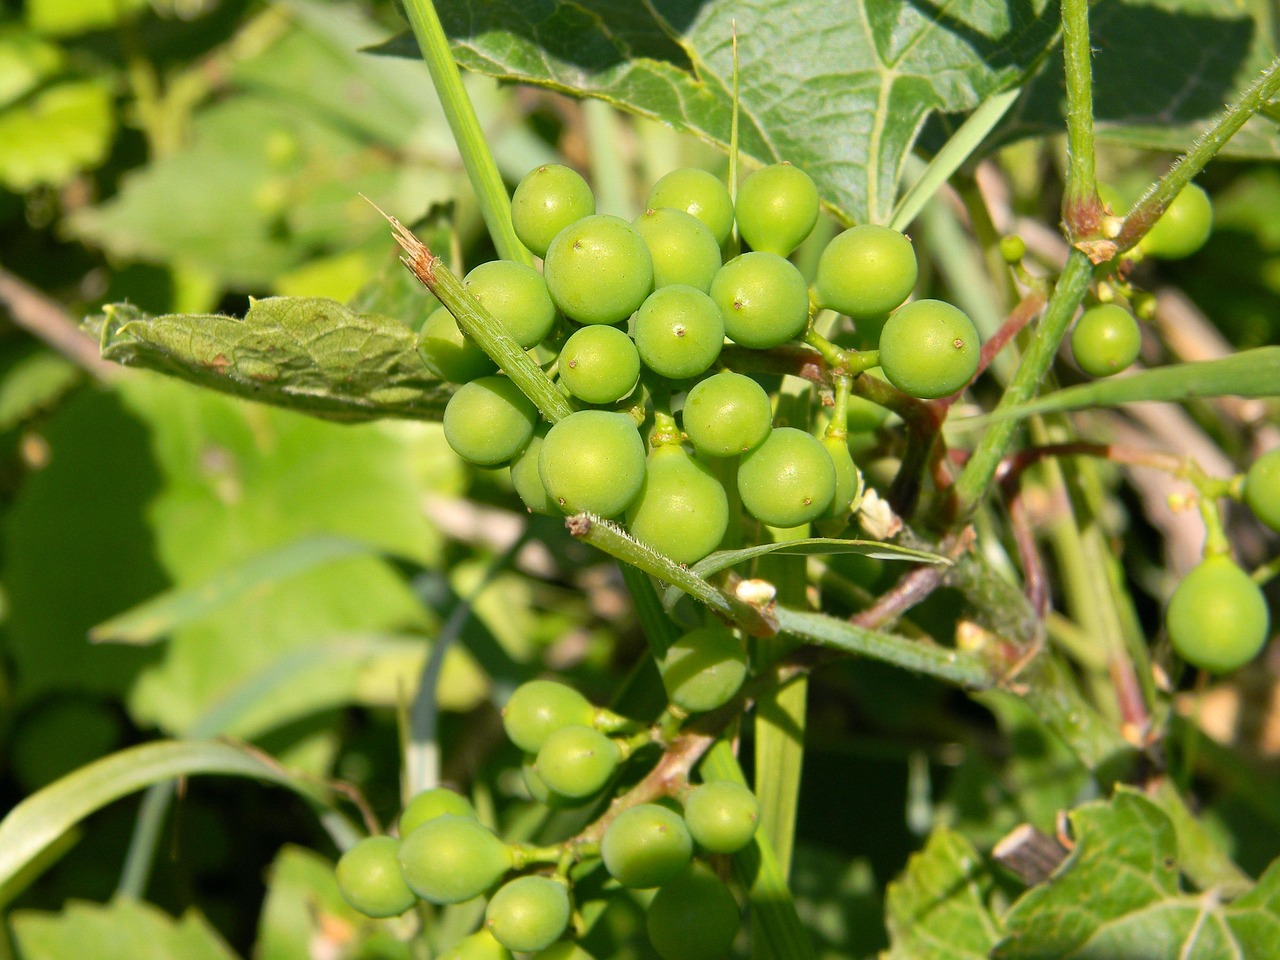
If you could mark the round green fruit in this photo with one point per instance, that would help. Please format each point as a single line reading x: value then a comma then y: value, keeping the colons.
x: 538, y: 708
x: 547, y: 200
x: 1106, y: 340
x: 722, y: 815
x: 694, y: 917
x: 528, y: 913
x: 763, y: 298
x: 776, y: 209
x: 681, y: 510
x: 1262, y: 488
x: 699, y: 194
x: 787, y: 480
x: 577, y: 761
x: 646, y: 846
x: 451, y: 859
x: 478, y: 946
x: 1217, y: 617
x: 599, y: 364
x: 517, y: 296
x: 679, y: 332
x: 592, y: 461
x: 370, y: 879
x: 929, y: 349
x: 526, y: 479
x: 866, y: 272
x: 1184, y: 227
x: 727, y: 414
x: 704, y: 669
x: 433, y: 803
x: 598, y: 270
x: 684, y: 249
x: 488, y: 421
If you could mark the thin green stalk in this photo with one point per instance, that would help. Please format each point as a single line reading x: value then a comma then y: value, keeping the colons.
x: 1081, y: 209
x: 609, y: 167
x: 976, y: 477
x: 1156, y: 200
x: 481, y: 326
x: 482, y: 170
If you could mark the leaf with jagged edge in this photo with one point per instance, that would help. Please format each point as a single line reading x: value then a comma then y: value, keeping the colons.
x: 839, y: 89
x: 1119, y: 895
x: 305, y: 353
x: 937, y: 909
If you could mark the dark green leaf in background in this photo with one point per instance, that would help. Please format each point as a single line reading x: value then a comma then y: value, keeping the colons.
x: 840, y: 89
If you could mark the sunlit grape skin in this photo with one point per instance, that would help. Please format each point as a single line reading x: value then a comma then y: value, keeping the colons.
x: 929, y: 349
x: 1262, y: 488
x: 645, y: 846
x: 370, y: 880
x: 1106, y: 340
x: 538, y: 708
x: 450, y: 859
x: 698, y: 193
x: 704, y: 668
x: 598, y: 270
x: 865, y: 272
x: 776, y: 208
x: 681, y: 509
x: 763, y: 298
x: 592, y: 461
x: 727, y: 414
x: 1217, y: 617
x: 488, y: 421
x: 547, y: 200
x: 528, y: 913
x: 787, y: 480
x: 679, y: 331
x: 722, y: 815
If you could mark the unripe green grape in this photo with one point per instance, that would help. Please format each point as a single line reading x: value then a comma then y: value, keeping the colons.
x: 370, y: 880
x: 433, y: 803
x: 592, y: 461
x: 478, y: 946
x: 763, y: 298
x: 776, y: 208
x: 865, y: 272
x: 681, y: 510
x: 488, y: 421
x: 1106, y: 340
x: 1217, y: 617
x: 528, y: 913
x: 1184, y: 227
x: 538, y: 708
x: 698, y: 193
x: 929, y: 349
x: 679, y: 331
x: 694, y: 917
x: 1262, y: 488
x: 577, y: 761
x: 598, y: 270
x: 547, y: 200
x: 727, y: 414
x: 526, y: 479
x: 517, y: 296
x: 787, y: 480
x: 1012, y: 249
x: 599, y: 364
x: 704, y: 669
x: 451, y: 859
x: 683, y: 248
x: 646, y: 846
x: 722, y: 815
x: 448, y: 352
x: 846, y: 476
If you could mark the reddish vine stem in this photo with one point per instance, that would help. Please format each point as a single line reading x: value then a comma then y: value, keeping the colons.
x: 915, y: 586
x: 1034, y: 583
x: 1021, y: 315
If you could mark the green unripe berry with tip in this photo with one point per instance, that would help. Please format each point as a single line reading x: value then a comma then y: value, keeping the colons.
x: 865, y: 272
x: 776, y: 208
x: 548, y: 199
x: 538, y: 708
x: 722, y: 816
x: 529, y: 913
x: 929, y: 349
x: 646, y: 846
x: 1262, y: 488
x: 699, y: 194
x: 451, y: 859
x: 1217, y: 617
x: 429, y: 804
x: 370, y: 880
x: 704, y: 668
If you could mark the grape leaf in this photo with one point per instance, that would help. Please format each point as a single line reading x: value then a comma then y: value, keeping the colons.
x: 1119, y: 895
x: 55, y: 133
x: 306, y: 353
x: 121, y: 930
x: 1162, y: 69
x: 937, y: 909
x: 840, y: 89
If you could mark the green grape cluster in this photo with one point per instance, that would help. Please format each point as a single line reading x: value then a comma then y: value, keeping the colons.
x: 628, y: 315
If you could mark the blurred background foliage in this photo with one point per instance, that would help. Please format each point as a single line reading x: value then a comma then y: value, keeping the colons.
x: 185, y: 155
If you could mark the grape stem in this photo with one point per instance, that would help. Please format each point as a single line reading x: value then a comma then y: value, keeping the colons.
x: 1082, y: 213
x: 479, y: 324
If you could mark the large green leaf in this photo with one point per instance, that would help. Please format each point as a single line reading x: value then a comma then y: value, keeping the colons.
x: 840, y: 89
x: 305, y: 353
x: 55, y: 133
x: 122, y: 930
x: 937, y: 909
x: 1119, y: 896
x: 1162, y: 69
x: 40, y: 819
